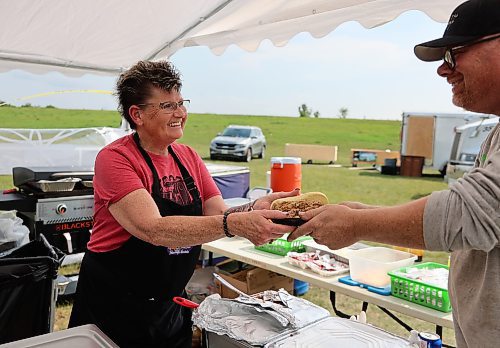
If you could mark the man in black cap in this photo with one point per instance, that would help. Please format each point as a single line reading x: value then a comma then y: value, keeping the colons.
x: 471, y: 36
x: 464, y: 220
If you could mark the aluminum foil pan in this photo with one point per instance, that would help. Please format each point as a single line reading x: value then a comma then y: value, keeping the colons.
x: 66, y: 184
x: 260, y: 321
x: 338, y: 332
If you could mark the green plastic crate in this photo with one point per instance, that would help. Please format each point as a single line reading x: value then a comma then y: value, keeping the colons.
x: 281, y: 246
x: 415, y: 291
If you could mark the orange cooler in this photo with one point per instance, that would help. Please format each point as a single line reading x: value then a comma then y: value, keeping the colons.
x: 286, y: 173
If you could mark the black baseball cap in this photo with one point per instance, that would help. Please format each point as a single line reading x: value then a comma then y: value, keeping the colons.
x: 470, y: 21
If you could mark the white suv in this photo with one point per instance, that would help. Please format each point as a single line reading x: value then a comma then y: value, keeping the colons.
x: 239, y: 142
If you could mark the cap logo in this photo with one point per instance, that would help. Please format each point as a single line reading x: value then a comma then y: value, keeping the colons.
x: 452, y: 18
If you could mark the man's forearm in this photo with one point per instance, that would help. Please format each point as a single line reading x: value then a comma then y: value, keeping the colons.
x: 400, y: 225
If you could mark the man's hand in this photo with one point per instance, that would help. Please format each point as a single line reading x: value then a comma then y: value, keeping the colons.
x: 266, y: 201
x: 332, y: 225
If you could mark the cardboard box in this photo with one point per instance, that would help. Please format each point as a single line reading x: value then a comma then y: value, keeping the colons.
x: 231, y: 266
x: 252, y: 281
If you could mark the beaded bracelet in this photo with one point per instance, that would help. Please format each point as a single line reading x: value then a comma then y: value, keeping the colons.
x: 224, y: 224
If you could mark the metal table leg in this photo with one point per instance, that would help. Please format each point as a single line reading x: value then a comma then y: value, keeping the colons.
x: 333, y: 300
x: 338, y: 312
x: 210, y: 258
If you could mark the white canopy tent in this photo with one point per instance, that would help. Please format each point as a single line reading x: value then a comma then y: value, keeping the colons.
x: 54, y: 147
x: 74, y: 36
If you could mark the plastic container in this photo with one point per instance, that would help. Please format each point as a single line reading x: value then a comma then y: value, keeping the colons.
x: 370, y: 265
x: 286, y: 173
x: 324, y: 264
x: 416, y: 291
x: 390, y: 162
x: 339, y: 269
x: 281, y: 246
x: 300, y: 287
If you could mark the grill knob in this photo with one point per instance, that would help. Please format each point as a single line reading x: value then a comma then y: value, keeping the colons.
x: 61, y: 209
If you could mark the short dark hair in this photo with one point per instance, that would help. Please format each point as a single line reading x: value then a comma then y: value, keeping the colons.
x: 134, y: 85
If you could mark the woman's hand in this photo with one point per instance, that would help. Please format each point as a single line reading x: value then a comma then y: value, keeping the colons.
x: 256, y: 226
x: 266, y: 201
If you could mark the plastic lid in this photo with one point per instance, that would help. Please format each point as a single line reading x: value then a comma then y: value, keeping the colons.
x: 286, y: 160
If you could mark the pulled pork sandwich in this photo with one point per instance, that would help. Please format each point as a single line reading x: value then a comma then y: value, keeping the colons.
x: 296, y: 204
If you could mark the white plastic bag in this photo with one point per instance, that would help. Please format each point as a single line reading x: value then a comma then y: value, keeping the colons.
x: 201, y: 283
x: 12, y: 229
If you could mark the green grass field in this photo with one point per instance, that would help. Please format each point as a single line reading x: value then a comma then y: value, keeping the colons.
x: 338, y: 183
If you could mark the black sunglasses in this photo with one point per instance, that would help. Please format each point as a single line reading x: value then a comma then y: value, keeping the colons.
x: 449, y: 54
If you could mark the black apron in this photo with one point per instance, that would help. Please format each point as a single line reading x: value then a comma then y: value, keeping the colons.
x: 128, y: 292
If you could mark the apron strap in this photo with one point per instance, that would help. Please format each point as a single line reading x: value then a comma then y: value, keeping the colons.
x: 149, y: 162
x: 188, y: 179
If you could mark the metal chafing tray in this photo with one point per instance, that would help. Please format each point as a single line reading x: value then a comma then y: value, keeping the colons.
x: 85, y: 336
x: 241, y: 323
x: 326, y: 333
x: 339, y: 332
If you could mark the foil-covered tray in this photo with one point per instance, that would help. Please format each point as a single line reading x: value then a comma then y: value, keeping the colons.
x: 257, y: 320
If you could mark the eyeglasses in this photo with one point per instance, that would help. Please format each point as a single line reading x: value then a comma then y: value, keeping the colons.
x: 449, y: 54
x: 170, y: 107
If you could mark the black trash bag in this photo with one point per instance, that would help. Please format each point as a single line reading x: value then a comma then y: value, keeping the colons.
x: 27, y: 283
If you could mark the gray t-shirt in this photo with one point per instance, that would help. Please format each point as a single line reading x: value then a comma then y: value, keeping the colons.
x: 465, y: 220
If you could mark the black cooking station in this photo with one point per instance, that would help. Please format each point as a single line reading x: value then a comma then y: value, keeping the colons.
x: 57, y: 202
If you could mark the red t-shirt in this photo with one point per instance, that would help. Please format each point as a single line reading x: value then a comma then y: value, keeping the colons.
x: 121, y: 169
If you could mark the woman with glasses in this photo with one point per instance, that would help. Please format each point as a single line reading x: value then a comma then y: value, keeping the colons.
x: 155, y: 204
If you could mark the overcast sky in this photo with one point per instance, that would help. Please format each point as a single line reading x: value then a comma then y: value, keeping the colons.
x: 371, y: 72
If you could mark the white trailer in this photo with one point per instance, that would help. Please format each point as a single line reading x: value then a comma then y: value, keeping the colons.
x: 431, y: 135
x: 466, y: 145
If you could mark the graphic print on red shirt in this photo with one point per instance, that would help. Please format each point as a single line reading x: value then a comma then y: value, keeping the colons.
x: 174, y: 189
